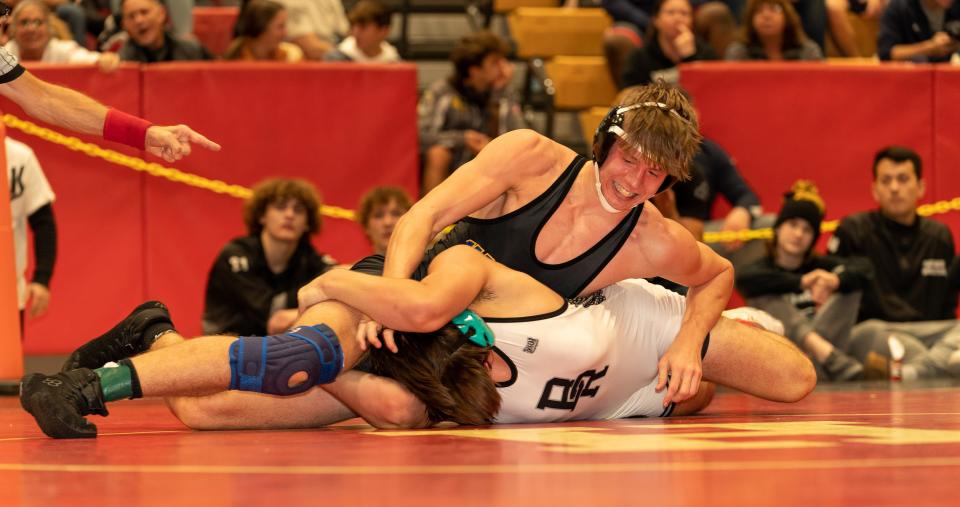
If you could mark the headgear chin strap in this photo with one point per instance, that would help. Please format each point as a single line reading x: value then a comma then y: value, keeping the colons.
x: 603, y: 200
x: 612, y: 123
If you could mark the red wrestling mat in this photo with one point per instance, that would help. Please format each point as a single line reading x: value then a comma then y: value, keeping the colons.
x: 862, y: 447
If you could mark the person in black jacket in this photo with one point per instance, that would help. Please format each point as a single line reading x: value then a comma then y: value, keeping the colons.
x: 912, y: 295
x: 910, y: 254
x: 816, y: 297
x: 253, y: 284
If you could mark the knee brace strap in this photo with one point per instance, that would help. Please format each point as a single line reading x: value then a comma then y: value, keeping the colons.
x: 264, y: 364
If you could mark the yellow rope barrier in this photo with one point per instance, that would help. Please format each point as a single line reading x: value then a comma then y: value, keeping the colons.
x: 241, y: 192
x: 924, y: 210
x: 151, y: 168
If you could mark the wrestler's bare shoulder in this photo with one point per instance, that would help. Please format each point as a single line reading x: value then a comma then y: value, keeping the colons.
x: 531, y: 162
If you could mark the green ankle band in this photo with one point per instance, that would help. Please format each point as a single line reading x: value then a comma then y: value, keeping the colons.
x: 116, y: 382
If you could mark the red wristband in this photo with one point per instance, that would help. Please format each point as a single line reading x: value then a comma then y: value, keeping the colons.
x: 125, y: 128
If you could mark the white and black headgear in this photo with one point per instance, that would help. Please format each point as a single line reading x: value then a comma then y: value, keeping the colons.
x: 611, y: 127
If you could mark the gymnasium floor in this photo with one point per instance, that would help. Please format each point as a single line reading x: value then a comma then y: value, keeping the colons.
x: 851, y: 445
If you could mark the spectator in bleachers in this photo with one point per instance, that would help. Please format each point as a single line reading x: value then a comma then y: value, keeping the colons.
x: 367, y: 43
x: 911, y: 295
x: 670, y: 42
x: 815, y: 297
x: 32, y: 40
x: 771, y: 30
x: 179, y: 14
x: 919, y: 30
x: 252, y: 286
x: 261, y: 30
x: 315, y: 25
x: 713, y: 21
x: 150, y: 42
x: 459, y: 115
x: 378, y: 213
x: 31, y: 205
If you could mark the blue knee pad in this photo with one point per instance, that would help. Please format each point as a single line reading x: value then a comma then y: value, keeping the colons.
x: 264, y: 364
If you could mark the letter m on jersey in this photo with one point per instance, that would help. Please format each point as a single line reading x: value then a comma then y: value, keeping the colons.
x: 570, y: 391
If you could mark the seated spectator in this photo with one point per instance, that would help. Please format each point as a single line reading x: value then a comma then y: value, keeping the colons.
x: 32, y: 40
x: 458, y: 116
x: 815, y: 297
x: 378, y: 212
x: 910, y: 254
x: 31, y: 204
x: 713, y: 21
x: 772, y: 31
x: 670, y: 42
x: 911, y: 293
x: 367, y: 43
x: 315, y: 25
x: 919, y: 30
x: 150, y: 42
x: 261, y: 30
x: 252, y: 287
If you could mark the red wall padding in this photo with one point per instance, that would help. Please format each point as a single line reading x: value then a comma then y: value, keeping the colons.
x: 782, y: 122
x: 125, y: 237
x: 946, y: 148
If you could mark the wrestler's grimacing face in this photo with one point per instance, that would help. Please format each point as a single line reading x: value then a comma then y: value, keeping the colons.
x: 627, y: 178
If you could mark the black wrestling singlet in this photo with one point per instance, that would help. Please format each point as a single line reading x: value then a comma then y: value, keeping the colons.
x: 511, y: 240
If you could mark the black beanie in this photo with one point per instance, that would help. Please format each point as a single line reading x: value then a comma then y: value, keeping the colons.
x: 804, y: 202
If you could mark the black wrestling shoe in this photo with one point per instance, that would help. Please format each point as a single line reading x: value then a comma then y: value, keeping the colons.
x: 126, y: 339
x: 842, y: 368
x: 59, y: 402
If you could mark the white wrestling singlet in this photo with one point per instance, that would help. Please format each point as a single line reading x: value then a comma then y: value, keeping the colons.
x: 598, y: 362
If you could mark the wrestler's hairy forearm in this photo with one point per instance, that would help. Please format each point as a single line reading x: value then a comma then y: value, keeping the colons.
x: 707, y: 300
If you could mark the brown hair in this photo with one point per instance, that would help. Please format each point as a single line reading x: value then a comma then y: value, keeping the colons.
x: 445, y: 371
x: 473, y: 49
x: 669, y: 136
x: 276, y: 190
x: 381, y: 196
x: 793, y: 35
x: 253, y: 20
x: 369, y: 11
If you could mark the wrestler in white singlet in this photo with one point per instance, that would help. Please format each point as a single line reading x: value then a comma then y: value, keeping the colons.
x: 595, y: 362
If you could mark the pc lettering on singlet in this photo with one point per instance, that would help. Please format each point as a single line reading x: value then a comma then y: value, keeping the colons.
x: 571, y: 390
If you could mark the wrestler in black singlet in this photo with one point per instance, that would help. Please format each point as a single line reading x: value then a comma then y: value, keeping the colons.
x: 501, y: 238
